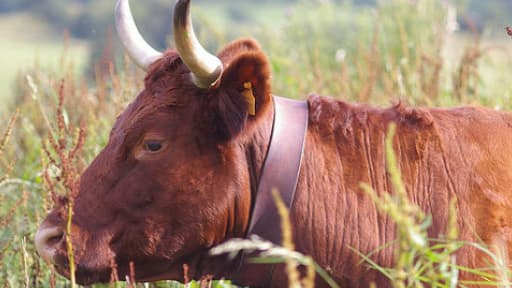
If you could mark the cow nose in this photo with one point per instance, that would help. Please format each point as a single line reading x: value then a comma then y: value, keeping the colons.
x: 47, y: 240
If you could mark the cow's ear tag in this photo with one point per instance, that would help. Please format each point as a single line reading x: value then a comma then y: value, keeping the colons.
x: 249, y: 97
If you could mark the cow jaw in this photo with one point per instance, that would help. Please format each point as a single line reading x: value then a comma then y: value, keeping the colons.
x: 108, y: 261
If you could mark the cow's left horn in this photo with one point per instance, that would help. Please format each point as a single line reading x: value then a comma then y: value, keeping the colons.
x: 138, y: 49
x: 206, y: 68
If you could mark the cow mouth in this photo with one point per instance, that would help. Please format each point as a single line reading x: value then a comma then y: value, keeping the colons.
x: 149, y: 271
x: 146, y: 272
x: 99, y: 269
x: 83, y: 275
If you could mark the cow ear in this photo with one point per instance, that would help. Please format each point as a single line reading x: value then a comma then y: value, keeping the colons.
x: 235, y: 48
x: 243, y: 93
x: 249, y: 75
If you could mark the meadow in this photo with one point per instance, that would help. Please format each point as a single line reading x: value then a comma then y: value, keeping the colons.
x: 32, y: 46
x: 58, y: 118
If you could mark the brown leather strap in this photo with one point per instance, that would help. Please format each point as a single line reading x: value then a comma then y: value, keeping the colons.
x: 281, y: 172
x: 281, y: 168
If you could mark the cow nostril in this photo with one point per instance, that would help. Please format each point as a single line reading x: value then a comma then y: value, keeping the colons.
x: 47, y: 239
x: 54, y: 240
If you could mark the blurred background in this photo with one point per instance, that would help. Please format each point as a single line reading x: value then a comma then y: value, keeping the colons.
x: 38, y: 32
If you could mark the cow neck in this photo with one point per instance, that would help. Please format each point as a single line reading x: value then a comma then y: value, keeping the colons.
x: 280, y: 172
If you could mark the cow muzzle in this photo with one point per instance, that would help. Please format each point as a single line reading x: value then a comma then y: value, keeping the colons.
x: 47, y: 240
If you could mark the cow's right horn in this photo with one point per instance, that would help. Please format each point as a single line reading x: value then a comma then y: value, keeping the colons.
x: 206, y: 68
x: 138, y: 49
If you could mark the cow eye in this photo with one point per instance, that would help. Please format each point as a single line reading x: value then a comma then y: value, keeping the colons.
x: 152, y: 145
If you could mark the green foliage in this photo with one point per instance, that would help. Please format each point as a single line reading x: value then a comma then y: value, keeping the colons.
x: 90, y: 19
x: 397, y: 50
x: 34, y: 49
x: 488, y: 15
x: 13, y: 5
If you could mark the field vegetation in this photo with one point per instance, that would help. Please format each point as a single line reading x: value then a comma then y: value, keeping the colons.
x: 60, y: 116
x: 36, y: 46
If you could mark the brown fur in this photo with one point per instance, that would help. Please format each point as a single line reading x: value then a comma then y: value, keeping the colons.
x: 161, y: 210
x: 443, y: 153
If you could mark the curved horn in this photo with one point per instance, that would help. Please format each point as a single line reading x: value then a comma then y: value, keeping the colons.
x: 206, y: 68
x: 138, y: 49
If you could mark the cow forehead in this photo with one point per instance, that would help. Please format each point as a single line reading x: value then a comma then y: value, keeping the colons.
x: 168, y: 91
x: 148, y: 108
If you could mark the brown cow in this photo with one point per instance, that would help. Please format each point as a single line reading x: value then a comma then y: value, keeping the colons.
x: 179, y: 173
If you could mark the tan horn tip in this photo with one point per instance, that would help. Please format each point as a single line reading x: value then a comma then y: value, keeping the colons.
x: 206, y: 68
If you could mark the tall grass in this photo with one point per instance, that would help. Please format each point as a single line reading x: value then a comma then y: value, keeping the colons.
x: 6, y: 168
x: 359, y: 53
x: 401, y: 50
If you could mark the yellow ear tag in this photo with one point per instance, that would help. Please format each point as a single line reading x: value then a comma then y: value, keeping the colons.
x: 249, y: 97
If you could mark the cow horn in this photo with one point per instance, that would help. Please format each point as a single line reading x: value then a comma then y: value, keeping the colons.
x: 138, y: 49
x: 206, y: 68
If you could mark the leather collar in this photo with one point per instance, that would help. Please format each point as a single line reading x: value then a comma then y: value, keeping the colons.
x: 281, y: 172
x: 281, y: 168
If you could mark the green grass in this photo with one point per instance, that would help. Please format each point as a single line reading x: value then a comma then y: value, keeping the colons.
x: 244, y: 13
x: 385, y: 61
x: 34, y: 46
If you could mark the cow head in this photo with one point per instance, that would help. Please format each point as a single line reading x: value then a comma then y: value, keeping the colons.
x: 178, y: 172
